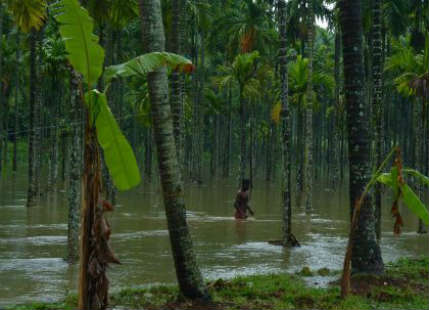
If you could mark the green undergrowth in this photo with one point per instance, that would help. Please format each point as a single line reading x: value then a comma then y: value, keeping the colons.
x: 405, y: 285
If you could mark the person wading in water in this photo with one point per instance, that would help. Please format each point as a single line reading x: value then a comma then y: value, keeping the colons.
x: 241, y: 203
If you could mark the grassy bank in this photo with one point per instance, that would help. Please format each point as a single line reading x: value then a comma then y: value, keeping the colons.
x: 404, y: 286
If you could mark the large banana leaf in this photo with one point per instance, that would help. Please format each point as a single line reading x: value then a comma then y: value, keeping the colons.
x: 76, y: 28
x: 414, y: 203
x: 410, y: 199
x: 118, y: 154
x: 143, y: 64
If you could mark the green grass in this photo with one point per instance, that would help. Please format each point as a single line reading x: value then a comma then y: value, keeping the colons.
x: 404, y: 286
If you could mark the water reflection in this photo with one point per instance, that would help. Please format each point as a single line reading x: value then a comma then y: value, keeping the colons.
x: 33, y: 241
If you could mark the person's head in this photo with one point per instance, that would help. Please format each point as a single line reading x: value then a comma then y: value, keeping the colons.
x: 245, y: 185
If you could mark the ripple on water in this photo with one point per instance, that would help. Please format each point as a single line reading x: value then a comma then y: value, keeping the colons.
x: 229, y: 272
x: 36, y: 240
x: 320, y: 251
x: 14, y: 206
x: 140, y: 234
x: 263, y: 247
x: 33, y: 266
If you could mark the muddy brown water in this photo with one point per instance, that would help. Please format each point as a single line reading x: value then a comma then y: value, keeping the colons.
x: 33, y: 240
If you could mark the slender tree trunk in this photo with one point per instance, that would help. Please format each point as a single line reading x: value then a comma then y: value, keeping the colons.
x: 188, y: 274
x: 200, y: 114
x: 38, y: 151
x: 3, y: 136
x: 336, y: 152
x: 377, y: 98
x: 32, y: 186
x: 242, y: 137
x: 288, y: 239
x: 251, y: 144
x: 55, y: 99
x: 148, y: 154
x: 422, y: 227
x: 177, y: 80
x: 420, y: 150
x: 74, y: 192
x: 308, y: 151
x: 227, y: 154
x: 17, y: 86
x: 299, y: 159
x: 64, y: 155
x: 366, y: 253
x: 269, y: 153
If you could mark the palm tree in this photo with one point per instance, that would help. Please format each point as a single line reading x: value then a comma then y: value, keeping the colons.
x: 188, y: 274
x: 411, y: 71
x: 366, y: 253
x: 239, y: 74
x: 29, y: 16
x: 248, y: 26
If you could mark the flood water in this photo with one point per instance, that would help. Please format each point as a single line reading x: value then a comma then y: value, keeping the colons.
x: 33, y: 241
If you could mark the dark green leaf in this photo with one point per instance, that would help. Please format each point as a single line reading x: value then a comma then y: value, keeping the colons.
x: 414, y: 203
x: 76, y: 26
x: 146, y: 63
x: 118, y: 154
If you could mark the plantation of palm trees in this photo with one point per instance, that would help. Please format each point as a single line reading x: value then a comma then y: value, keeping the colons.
x: 196, y: 154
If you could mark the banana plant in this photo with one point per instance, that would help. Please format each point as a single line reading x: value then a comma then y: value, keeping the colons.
x: 395, y: 179
x: 86, y: 56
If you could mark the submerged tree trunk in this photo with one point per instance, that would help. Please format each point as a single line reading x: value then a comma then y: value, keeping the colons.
x: 366, y: 254
x: 15, y: 126
x: 308, y: 149
x: 188, y: 274
x: 32, y: 186
x: 288, y: 238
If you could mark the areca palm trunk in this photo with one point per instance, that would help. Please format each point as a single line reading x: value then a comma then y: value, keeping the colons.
x: 176, y: 80
x: 286, y: 129
x: 366, y: 253
x: 228, y: 136
x: 148, y: 154
x: 17, y: 86
x: 336, y: 154
x: 242, y: 137
x: 2, y: 112
x: 188, y: 274
x: 419, y: 116
x: 308, y: 149
x: 426, y: 147
x: 377, y: 97
x: 32, y: 186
